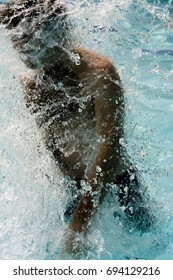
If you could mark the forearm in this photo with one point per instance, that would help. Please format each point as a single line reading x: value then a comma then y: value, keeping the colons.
x: 102, y: 173
x: 83, y: 213
x: 106, y: 165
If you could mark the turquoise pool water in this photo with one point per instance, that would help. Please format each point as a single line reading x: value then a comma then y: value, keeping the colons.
x: 138, y: 37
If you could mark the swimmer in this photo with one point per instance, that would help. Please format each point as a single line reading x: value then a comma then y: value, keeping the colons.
x: 78, y: 101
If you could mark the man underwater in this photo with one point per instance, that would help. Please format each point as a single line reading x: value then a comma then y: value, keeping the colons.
x: 78, y: 101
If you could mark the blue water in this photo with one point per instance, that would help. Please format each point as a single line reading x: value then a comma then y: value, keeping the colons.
x: 138, y: 37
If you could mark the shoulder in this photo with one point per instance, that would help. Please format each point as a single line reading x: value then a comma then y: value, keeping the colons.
x: 92, y: 58
x: 91, y: 61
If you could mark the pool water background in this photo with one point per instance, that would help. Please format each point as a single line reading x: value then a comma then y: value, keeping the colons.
x: 138, y: 37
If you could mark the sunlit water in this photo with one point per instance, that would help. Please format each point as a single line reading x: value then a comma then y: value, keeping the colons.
x: 138, y: 37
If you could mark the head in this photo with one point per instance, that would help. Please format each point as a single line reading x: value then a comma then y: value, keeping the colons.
x: 36, y: 27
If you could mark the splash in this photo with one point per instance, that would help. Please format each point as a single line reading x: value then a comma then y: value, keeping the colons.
x: 33, y: 194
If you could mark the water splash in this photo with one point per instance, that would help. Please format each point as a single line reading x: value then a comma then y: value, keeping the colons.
x: 32, y: 187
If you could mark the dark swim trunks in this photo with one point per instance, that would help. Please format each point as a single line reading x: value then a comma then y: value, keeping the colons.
x: 128, y: 184
x: 134, y: 198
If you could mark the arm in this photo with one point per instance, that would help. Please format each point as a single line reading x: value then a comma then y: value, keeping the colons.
x: 109, y: 111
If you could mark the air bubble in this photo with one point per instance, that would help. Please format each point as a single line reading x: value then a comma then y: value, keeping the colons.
x: 98, y: 169
x: 117, y: 82
x: 75, y: 58
x: 60, y: 85
x: 132, y: 177
x: 77, y: 62
x: 121, y: 141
